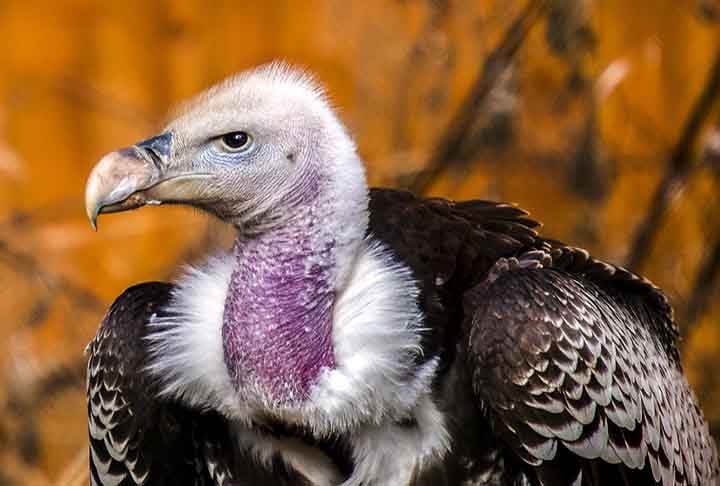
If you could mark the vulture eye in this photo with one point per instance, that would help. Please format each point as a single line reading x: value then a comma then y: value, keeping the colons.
x: 235, y: 141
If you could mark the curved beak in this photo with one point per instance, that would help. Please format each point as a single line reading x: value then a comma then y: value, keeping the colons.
x: 135, y: 176
x: 115, y: 182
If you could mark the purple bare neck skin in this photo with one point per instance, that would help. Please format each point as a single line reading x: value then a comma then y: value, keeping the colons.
x: 277, y: 326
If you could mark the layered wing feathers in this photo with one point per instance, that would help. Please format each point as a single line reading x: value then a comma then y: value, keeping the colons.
x: 570, y: 361
x: 574, y: 360
x: 135, y: 438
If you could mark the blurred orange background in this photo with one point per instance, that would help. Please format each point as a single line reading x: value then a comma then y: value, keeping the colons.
x: 576, y: 110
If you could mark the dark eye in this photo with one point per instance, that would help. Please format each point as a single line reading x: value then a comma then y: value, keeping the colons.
x: 235, y: 141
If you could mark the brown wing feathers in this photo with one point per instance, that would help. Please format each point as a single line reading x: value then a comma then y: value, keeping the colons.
x: 575, y: 359
x: 566, y: 362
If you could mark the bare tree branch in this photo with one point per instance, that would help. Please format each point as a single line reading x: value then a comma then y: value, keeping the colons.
x: 679, y: 166
x: 703, y: 289
x: 439, y: 11
x: 450, y: 145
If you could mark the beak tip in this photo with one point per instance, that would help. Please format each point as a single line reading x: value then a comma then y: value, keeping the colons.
x: 92, y: 218
x: 92, y: 210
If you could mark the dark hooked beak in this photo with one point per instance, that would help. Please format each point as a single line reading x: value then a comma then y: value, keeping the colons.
x: 135, y: 176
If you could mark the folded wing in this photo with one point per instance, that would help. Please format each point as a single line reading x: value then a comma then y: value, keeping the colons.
x: 576, y: 364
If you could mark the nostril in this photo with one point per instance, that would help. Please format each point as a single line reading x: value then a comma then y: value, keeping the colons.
x: 156, y: 148
x: 153, y: 155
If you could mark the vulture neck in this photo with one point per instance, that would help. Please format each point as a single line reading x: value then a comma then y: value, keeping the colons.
x: 278, y: 318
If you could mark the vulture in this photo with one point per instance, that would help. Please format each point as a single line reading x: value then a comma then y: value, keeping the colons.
x: 356, y: 336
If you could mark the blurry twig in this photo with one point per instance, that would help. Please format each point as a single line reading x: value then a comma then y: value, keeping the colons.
x: 706, y: 280
x: 450, y: 146
x: 21, y: 404
x: 60, y: 208
x: 678, y: 167
x: 703, y: 288
x: 76, y: 471
x: 26, y: 401
x: 26, y: 264
x: 708, y: 10
x: 418, y: 54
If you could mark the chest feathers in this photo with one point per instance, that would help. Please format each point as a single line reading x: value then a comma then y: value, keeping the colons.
x: 361, y: 359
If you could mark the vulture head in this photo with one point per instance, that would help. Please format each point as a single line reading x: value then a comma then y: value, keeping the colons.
x: 263, y: 326
x: 251, y: 150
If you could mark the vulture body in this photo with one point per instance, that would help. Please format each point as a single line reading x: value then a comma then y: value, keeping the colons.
x: 370, y: 337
